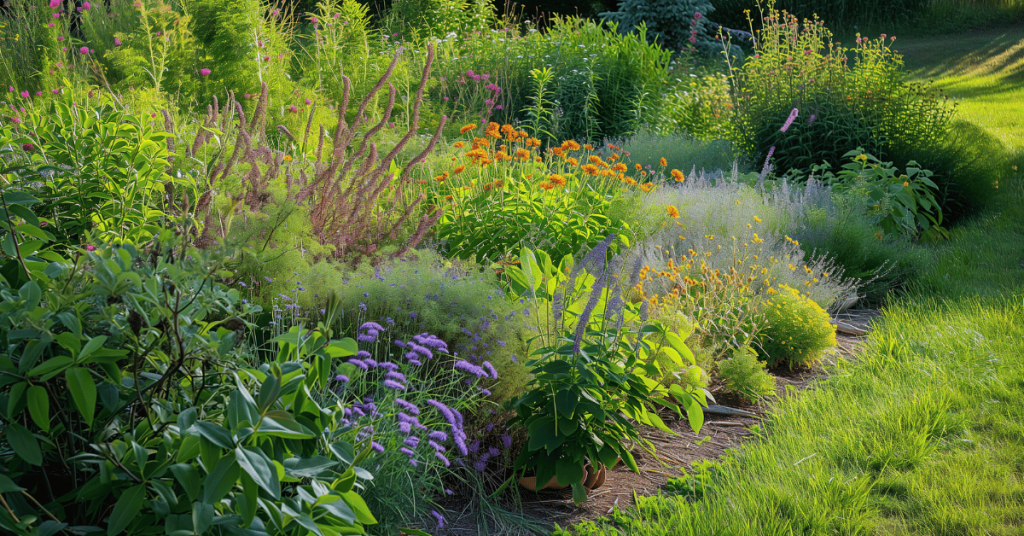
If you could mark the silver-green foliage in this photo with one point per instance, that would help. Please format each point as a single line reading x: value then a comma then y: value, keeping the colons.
x: 673, y: 24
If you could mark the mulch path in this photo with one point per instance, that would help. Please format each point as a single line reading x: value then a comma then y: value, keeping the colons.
x: 673, y: 452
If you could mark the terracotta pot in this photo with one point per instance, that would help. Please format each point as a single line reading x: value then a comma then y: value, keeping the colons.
x: 595, y: 478
x: 530, y: 483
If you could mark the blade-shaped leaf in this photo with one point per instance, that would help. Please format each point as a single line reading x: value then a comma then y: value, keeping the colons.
x: 83, y: 391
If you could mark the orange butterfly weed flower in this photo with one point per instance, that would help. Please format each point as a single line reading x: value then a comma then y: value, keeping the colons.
x: 522, y: 154
x: 558, y: 151
x: 572, y: 161
x: 620, y: 167
x: 459, y: 144
x: 545, y: 185
x: 588, y: 147
x: 573, y: 146
x: 467, y: 128
x: 590, y: 169
x: 594, y: 159
x: 494, y: 130
x: 557, y: 180
x: 458, y: 170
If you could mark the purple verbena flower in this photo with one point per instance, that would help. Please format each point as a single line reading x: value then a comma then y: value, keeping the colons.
x: 407, y: 406
x: 490, y: 369
x: 438, y: 435
x: 443, y: 459
x: 359, y: 363
x: 392, y: 384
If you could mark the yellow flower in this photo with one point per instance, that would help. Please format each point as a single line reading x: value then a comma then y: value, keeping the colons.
x: 467, y: 128
x: 758, y: 220
x: 287, y: 158
x: 905, y: 183
x: 663, y: 162
x: 557, y: 180
x: 678, y: 175
x: 673, y: 211
x: 573, y: 146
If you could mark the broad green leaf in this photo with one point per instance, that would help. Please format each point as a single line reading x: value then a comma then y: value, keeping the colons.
x: 202, y: 516
x: 579, y: 493
x: 187, y: 476
x: 94, y: 344
x: 281, y: 424
x: 39, y: 406
x: 51, y: 366
x: 13, y: 401
x: 220, y: 481
x: 568, y: 471
x: 25, y: 445
x: 358, y: 505
x: 126, y: 509
x: 214, y: 433
x: 8, y: 486
x: 83, y: 391
x: 308, y: 467
x: 259, y: 466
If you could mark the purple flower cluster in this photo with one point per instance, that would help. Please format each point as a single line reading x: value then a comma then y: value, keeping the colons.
x: 369, y: 332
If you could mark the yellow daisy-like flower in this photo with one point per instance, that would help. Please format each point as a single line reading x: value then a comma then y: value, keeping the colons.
x: 287, y: 158
x: 758, y: 220
x: 557, y: 180
x: 467, y: 128
x: 572, y: 145
x: 678, y: 175
x: 673, y: 211
x: 663, y: 162
x: 590, y: 169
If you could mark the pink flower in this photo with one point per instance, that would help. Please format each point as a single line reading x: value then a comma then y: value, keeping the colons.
x: 39, y: 93
x: 56, y: 91
x: 86, y: 6
x: 24, y: 94
x: 205, y: 72
x: 790, y: 119
x: 117, y: 42
x: 293, y: 109
x: 16, y: 120
x: 54, y: 4
x: 498, y: 107
x: 90, y: 247
x: 49, y: 25
x: 697, y: 15
x: 56, y: 15
x: 309, y: 101
x: 60, y: 37
x: 84, y: 50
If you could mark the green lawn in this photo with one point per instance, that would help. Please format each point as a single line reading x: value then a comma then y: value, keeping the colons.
x: 924, y: 433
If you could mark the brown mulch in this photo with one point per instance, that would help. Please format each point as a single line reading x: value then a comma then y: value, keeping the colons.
x: 673, y: 452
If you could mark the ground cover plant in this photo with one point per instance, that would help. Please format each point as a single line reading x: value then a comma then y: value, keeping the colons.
x: 278, y: 270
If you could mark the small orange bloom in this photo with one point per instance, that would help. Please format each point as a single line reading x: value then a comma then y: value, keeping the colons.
x: 522, y: 154
x: 287, y: 158
x: 594, y: 159
x: 573, y: 146
x: 467, y: 128
x: 905, y: 183
x: 663, y: 162
x: 588, y: 147
x: 458, y: 170
x: 557, y: 180
x: 572, y: 161
x: 545, y: 185
x: 647, y: 186
x: 494, y: 130
x: 678, y: 175
x: 558, y: 151
x: 639, y: 167
x: 673, y: 211
x: 459, y: 144
x: 590, y: 169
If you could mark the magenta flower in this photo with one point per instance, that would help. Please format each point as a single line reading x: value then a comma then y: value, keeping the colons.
x: 309, y: 101
x: 84, y: 50
x: 117, y: 42
x: 205, y: 72
x: 90, y: 247
x: 54, y: 4
x: 24, y: 94
x: 86, y: 6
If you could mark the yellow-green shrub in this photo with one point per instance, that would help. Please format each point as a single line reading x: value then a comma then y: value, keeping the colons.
x: 798, y: 331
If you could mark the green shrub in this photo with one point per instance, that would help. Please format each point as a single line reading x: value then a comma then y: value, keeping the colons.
x: 965, y: 164
x: 745, y: 375
x: 599, y: 83
x: 845, y: 14
x: 95, y: 170
x: 809, y: 98
x: 673, y: 24
x: 798, y: 331
x: 127, y: 406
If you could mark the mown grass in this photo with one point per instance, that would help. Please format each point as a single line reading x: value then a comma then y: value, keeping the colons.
x: 924, y: 433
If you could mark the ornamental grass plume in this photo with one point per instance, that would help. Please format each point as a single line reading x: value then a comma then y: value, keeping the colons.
x: 356, y: 205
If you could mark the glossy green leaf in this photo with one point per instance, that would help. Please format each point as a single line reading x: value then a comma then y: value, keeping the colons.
x: 259, y: 466
x: 358, y: 505
x: 39, y: 406
x: 25, y: 445
x: 83, y: 391
x: 220, y: 481
x: 126, y: 509
x: 202, y: 517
